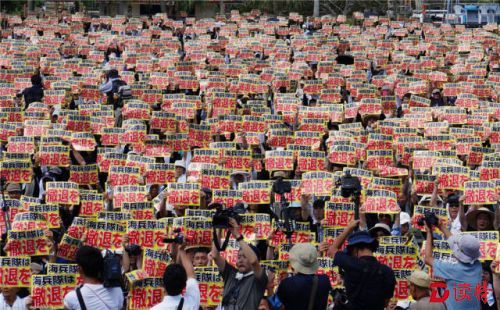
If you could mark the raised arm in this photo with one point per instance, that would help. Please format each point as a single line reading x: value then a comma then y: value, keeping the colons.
x: 219, y: 261
x: 246, y: 249
x: 337, y: 242
x: 185, y: 261
x: 429, y: 260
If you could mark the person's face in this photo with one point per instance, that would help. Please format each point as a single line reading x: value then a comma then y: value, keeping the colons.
x: 200, y: 259
x: 412, y: 291
x: 243, y: 264
x: 14, y: 195
x: 179, y: 171
x: 486, y: 276
x: 253, y: 208
x: 9, y: 292
x: 179, y: 209
x: 153, y: 191
x: 270, y: 281
x: 453, y: 211
x: 263, y: 305
x: 405, y: 228
x: 239, y: 178
x: 379, y: 234
x: 370, y: 122
x: 295, y: 213
x: 482, y: 221
x: 385, y: 218
x: 319, y: 213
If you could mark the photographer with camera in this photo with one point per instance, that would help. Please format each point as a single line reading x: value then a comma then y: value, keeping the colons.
x: 132, y: 258
x: 368, y: 284
x: 305, y: 289
x: 176, y: 278
x: 244, y: 285
x: 468, y: 271
x: 92, y: 294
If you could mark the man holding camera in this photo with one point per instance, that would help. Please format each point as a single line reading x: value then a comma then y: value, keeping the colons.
x: 92, y: 294
x: 369, y: 284
x: 466, y: 273
x: 244, y: 285
x: 176, y: 278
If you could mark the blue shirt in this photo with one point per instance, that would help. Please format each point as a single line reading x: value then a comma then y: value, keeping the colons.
x: 456, y: 274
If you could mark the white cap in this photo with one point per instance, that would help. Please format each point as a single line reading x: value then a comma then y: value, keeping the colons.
x: 180, y: 163
x: 404, y: 218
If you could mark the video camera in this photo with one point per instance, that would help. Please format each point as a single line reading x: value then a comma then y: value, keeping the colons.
x: 178, y: 239
x: 430, y: 218
x: 222, y: 215
x: 349, y: 186
x: 133, y: 250
x: 281, y: 187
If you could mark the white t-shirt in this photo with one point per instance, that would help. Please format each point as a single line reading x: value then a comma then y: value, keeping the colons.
x: 96, y: 297
x: 19, y: 304
x: 191, y: 298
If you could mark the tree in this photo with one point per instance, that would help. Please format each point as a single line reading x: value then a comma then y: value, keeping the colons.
x: 222, y: 7
x: 316, y: 8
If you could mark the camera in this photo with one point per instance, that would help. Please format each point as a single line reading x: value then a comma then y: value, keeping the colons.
x: 222, y: 216
x: 430, y: 218
x: 280, y: 187
x: 133, y: 249
x: 179, y: 238
x: 349, y: 186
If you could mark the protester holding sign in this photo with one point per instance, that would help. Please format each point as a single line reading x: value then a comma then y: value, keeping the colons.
x: 244, y: 285
x: 465, y: 249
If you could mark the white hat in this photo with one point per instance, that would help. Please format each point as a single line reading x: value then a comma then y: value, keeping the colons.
x: 465, y: 247
x: 380, y: 226
x: 419, y: 278
x: 404, y: 218
x: 180, y: 163
x: 116, y: 252
x: 304, y: 258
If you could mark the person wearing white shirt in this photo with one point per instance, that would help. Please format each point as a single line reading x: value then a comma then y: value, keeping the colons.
x: 10, y: 301
x: 180, y: 171
x: 177, y: 277
x: 94, y: 295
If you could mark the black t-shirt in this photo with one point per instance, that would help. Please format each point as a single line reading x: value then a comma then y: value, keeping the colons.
x: 368, y: 283
x: 294, y: 292
x: 32, y: 94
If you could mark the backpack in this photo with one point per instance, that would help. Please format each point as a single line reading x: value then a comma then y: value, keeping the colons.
x: 112, y: 272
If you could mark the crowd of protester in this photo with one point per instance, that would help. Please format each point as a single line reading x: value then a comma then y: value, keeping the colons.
x: 179, y: 118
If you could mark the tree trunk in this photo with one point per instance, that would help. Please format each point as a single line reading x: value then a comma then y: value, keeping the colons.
x: 316, y: 8
x: 163, y: 7
x: 222, y: 7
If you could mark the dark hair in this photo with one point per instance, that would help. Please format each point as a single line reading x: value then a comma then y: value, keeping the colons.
x: 201, y: 250
x: 90, y: 260
x: 36, y: 80
x: 113, y: 73
x: 319, y: 204
x: 174, y: 279
x: 370, y: 246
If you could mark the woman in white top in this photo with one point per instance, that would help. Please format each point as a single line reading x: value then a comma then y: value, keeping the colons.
x: 10, y: 301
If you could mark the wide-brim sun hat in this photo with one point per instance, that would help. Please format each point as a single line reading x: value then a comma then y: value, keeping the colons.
x: 304, y: 258
x: 380, y: 226
x: 472, y: 217
x: 465, y: 248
